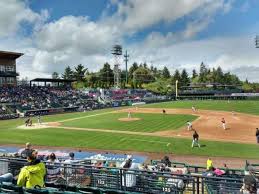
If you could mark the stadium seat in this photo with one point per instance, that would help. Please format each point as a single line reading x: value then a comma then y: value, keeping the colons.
x: 90, y: 190
x: 10, y: 188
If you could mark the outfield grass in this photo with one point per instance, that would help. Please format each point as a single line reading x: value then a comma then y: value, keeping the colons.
x: 245, y: 106
x: 149, y: 122
x: 110, y: 141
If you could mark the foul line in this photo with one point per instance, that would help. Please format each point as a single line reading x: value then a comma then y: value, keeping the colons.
x: 87, y: 116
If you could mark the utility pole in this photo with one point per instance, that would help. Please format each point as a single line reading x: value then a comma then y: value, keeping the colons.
x: 257, y: 41
x: 176, y: 89
x: 126, y: 59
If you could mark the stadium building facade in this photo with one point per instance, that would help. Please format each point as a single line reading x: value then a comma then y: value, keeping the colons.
x: 8, y: 74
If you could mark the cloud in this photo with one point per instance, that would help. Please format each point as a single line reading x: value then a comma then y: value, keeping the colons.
x: 16, y: 12
x: 231, y: 53
x: 72, y: 40
x: 136, y: 15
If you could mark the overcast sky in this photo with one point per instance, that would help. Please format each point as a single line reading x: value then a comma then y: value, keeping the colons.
x: 174, y: 33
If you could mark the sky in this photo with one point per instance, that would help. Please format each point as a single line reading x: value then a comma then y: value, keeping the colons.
x: 178, y: 34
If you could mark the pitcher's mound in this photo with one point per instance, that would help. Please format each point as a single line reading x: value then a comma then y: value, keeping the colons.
x: 129, y: 119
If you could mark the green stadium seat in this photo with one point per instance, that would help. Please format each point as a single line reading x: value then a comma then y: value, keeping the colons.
x: 10, y: 188
x: 90, y: 190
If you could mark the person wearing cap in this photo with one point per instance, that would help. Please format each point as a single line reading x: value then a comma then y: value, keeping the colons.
x: 33, y: 173
x: 127, y: 163
x: 27, y: 150
x: 68, y: 164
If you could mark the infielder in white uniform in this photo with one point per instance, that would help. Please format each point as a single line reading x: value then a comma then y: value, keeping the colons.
x: 129, y: 115
x: 223, y: 124
x: 193, y: 109
x: 189, y: 125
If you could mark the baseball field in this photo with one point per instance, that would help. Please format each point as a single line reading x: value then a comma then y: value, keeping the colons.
x: 148, y: 129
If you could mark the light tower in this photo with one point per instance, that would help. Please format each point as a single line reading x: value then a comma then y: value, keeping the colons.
x: 117, y: 52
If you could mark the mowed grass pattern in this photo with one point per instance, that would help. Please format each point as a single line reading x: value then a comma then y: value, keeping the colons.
x: 111, y: 141
x: 245, y: 106
x: 149, y: 122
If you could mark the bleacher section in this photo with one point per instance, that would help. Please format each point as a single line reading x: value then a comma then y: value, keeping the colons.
x: 88, y: 178
x: 29, y: 101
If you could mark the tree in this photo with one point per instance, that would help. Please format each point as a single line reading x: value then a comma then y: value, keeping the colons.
x: 194, y: 74
x: 80, y: 72
x: 55, y: 75
x: 68, y: 73
x: 166, y: 73
x: 184, y: 81
x: 203, y: 73
x: 106, y: 75
x: 141, y: 76
x: 219, y: 77
x: 176, y: 76
x: 133, y: 68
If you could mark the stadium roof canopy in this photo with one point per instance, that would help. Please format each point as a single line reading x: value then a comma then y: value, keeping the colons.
x: 10, y: 55
x: 58, y: 81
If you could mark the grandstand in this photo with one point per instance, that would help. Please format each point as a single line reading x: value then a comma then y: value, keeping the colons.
x: 98, y: 175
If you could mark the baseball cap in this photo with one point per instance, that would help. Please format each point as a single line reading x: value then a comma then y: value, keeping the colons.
x: 71, y: 155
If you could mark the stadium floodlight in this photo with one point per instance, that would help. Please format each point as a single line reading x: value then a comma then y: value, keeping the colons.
x: 117, y: 52
x: 257, y: 41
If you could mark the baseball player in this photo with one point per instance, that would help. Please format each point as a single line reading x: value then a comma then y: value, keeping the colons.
x: 39, y: 119
x: 195, y: 140
x: 223, y: 123
x: 189, y: 125
x: 164, y: 112
x: 129, y: 115
x: 193, y: 109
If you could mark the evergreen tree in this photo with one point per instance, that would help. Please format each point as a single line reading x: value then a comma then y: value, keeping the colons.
x: 80, y: 72
x: 184, y: 81
x: 133, y: 68
x: 203, y: 73
x: 166, y: 73
x: 106, y: 75
x: 194, y: 74
x: 68, y: 73
x: 55, y: 75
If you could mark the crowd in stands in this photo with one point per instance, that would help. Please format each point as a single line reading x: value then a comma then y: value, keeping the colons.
x: 40, y: 171
x: 4, y: 114
x: 22, y: 99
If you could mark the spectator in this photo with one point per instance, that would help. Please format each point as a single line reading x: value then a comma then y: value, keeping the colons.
x: 71, y: 158
x: 195, y: 140
x: 257, y: 135
x: 27, y: 150
x: 130, y: 176
x: 166, y: 161
x: 33, y: 174
x: 127, y: 163
x: 53, y: 165
x: 249, y: 183
x: 226, y: 169
x: 210, y: 164
x: 68, y: 164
